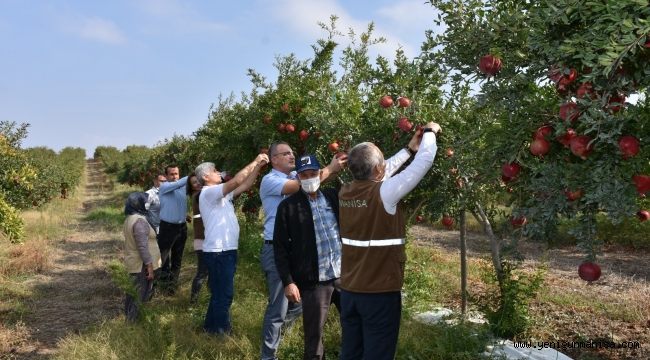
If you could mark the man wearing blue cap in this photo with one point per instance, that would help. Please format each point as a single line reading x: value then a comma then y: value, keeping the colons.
x: 307, y: 249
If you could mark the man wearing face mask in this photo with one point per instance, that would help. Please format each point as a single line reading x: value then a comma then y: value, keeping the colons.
x: 278, y: 184
x: 373, y: 233
x: 307, y: 250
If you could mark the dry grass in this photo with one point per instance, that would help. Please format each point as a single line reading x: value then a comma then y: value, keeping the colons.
x: 29, y: 258
x: 12, y: 337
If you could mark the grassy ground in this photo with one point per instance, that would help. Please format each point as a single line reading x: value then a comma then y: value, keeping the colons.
x: 171, y: 327
x: 566, y: 308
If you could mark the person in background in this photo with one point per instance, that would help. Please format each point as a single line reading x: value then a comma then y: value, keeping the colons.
x: 141, y: 254
x: 279, y: 183
x: 194, y: 190
x: 307, y: 250
x: 173, y: 227
x: 222, y: 237
x: 373, y: 232
x: 153, y: 216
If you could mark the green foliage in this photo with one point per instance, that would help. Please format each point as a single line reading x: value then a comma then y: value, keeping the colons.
x: 32, y: 177
x: 506, y: 304
x: 603, y: 44
x: 11, y: 224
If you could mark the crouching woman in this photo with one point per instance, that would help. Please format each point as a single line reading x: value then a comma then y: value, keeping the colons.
x: 141, y: 253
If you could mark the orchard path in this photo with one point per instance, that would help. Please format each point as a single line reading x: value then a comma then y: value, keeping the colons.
x: 76, y: 290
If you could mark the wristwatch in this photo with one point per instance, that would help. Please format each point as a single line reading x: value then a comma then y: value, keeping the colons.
x: 427, y: 130
x: 411, y: 152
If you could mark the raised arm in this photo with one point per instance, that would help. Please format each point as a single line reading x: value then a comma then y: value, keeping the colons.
x: 244, y: 173
x: 397, y: 187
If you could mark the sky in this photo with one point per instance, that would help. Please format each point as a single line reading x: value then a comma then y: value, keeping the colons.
x: 135, y: 72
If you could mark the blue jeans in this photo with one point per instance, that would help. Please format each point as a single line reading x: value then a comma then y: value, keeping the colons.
x: 279, y: 311
x: 370, y: 324
x: 221, y: 277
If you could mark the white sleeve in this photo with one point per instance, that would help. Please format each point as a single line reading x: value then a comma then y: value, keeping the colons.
x: 397, y: 187
x: 394, y: 163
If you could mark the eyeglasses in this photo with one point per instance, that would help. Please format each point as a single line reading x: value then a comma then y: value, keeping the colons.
x: 286, y: 153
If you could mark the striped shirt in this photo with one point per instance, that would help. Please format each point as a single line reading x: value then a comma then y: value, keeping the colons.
x: 328, y: 244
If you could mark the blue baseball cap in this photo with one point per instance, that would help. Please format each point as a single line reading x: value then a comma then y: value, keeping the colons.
x: 307, y: 162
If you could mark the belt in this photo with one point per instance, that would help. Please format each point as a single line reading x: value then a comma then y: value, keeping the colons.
x: 373, y: 243
x: 268, y: 242
x: 173, y: 224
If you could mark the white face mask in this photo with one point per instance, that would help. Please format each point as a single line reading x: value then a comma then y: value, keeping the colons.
x: 310, y: 185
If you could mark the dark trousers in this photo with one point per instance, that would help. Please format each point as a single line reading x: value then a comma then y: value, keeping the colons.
x: 315, y: 306
x: 221, y: 276
x: 171, y: 242
x: 143, y: 293
x: 370, y: 324
x: 199, y: 278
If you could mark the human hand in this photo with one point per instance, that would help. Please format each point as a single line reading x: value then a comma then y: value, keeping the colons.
x: 434, y: 126
x: 292, y: 293
x: 262, y: 158
x: 339, y: 162
x: 150, y: 271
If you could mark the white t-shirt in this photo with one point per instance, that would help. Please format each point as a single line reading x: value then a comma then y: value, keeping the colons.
x: 219, y: 219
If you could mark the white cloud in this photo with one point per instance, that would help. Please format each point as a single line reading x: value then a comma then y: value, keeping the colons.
x: 97, y: 29
x: 397, y: 24
x: 180, y: 16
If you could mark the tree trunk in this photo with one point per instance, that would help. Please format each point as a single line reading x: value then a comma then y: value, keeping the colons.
x: 495, y: 245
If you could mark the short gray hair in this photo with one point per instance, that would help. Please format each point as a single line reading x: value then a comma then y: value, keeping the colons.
x: 202, y: 170
x: 362, y: 159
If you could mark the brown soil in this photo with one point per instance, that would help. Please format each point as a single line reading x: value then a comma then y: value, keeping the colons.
x: 75, y: 291
x: 614, y: 308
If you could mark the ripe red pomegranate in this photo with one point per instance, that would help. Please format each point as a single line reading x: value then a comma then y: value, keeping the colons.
x: 563, y: 86
x: 333, y: 147
x: 589, y: 271
x: 447, y: 221
x: 284, y: 108
x: 543, y: 132
x: 489, y: 65
x: 643, y: 215
x: 572, y: 75
x: 616, y: 103
x: 404, y: 124
x: 642, y: 183
x: 580, y: 146
x: 419, y: 219
x: 303, y: 135
x: 567, y: 137
x: 518, y: 221
x: 449, y: 152
x: 403, y: 102
x: 506, y: 179
x: 540, y: 147
x: 289, y: 128
x: 573, y: 195
x: 386, y: 101
x: 586, y: 88
x: 282, y: 127
x: 629, y: 146
x: 510, y: 170
x: 569, y: 111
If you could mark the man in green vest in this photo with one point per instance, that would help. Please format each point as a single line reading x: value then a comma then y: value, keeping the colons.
x: 373, y: 233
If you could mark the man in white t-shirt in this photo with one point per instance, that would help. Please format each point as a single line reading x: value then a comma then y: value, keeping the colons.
x: 222, y: 236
